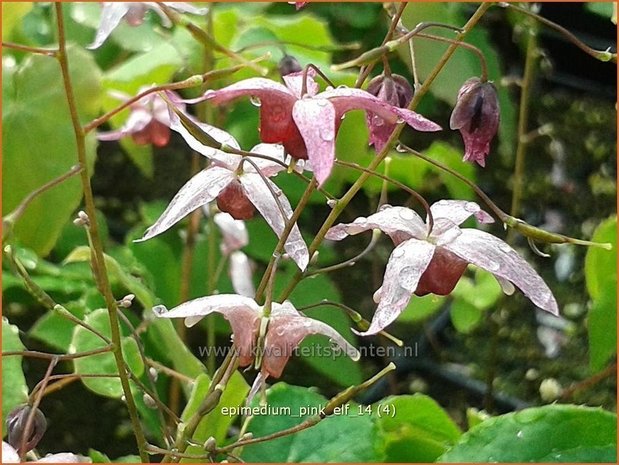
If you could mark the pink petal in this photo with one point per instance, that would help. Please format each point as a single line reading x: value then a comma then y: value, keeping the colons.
x: 111, y: 14
x: 138, y: 120
x: 400, y: 223
x: 202, y: 188
x: 228, y: 159
x: 259, y: 384
x: 234, y: 232
x: 492, y: 254
x: 457, y: 211
x: 346, y: 99
x: 267, y: 167
x: 241, y: 274
x: 315, y: 118
x: 287, y: 328
x: 294, y: 82
x: 407, y: 263
x: 263, y: 199
x: 242, y: 312
x: 258, y: 87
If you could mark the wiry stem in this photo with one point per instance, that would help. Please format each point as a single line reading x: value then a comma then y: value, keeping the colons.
x: 26, y: 48
x: 98, y: 265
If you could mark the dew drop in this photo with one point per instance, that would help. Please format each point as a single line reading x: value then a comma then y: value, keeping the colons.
x: 407, y: 214
x: 492, y: 266
x: 471, y: 207
x: 397, y: 253
x: 519, y: 434
x: 160, y: 309
x: 505, y: 247
x: 255, y: 101
x: 328, y: 88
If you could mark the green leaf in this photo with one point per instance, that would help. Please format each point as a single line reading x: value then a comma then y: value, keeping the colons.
x: 601, y: 264
x: 84, y: 340
x: 39, y: 143
x: 217, y: 422
x: 553, y: 433
x: 604, y: 9
x: 464, y: 316
x: 414, y: 428
x: 420, y: 308
x: 12, y: 14
x: 14, y: 387
x: 451, y: 157
x: 338, y: 438
x: 56, y: 331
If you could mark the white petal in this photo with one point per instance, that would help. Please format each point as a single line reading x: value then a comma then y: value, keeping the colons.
x: 202, y: 188
x: 9, y: 455
x: 258, y: 384
x: 315, y: 118
x: 294, y: 82
x: 407, y: 263
x: 458, y: 211
x: 226, y: 304
x: 260, y: 195
x: 241, y: 274
x: 111, y: 15
x: 63, y: 457
x: 234, y: 232
x: 267, y: 167
x: 187, y: 8
x: 400, y: 223
x: 138, y: 120
x: 492, y: 254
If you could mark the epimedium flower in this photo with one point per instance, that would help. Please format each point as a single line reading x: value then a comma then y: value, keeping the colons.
x: 476, y: 115
x: 285, y: 330
x: 10, y: 455
x: 425, y: 263
x: 395, y: 90
x: 307, y: 123
x: 133, y: 13
x: 239, y: 187
x: 148, y: 122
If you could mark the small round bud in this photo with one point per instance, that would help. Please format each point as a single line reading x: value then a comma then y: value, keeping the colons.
x: 550, y: 390
x: 210, y: 445
x: 82, y: 219
x: 127, y: 301
x: 149, y: 401
x: 288, y: 65
x: 154, y: 374
x: 531, y: 375
x: 16, y: 426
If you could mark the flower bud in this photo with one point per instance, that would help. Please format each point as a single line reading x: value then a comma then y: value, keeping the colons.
x: 476, y: 115
x: 395, y: 90
x: 16, y: 426
x: 288, y: 65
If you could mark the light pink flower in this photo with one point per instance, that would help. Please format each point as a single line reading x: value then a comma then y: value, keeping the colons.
x: 307, y: 124
x: 285, y: 331
x: 148, y: 122
x: 425, y: 263
x: 133, y: 13
x: 9, y: 455
x: 476, y: 115
x: 238, y: 189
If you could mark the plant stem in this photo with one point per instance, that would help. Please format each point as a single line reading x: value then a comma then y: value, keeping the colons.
x: 27, y: 48
x: 98, y: 265
x: 358, y: 184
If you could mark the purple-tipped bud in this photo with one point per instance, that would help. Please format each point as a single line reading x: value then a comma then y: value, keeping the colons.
x: 476, y: 115
x: 289, y: 65
x: 396, y: 91
x: 16, y: 426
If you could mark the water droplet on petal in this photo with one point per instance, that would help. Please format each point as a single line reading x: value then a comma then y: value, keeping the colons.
x: 492, y: 266
x: 505, y: 247
x: 255, y: 101
x: 329, y: 88
x: 397, y: 253
x: 471, y: 207
x: 160, y: 309
x: 407, y: 214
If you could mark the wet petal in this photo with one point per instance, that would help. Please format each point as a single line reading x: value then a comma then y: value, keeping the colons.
x: 63, y: 457
x: 400, y: 223
x: 294, y: 82
x: 315, y: 118
x: 9, y: 455
x: 263, y: 199
x: 407, y: 263
x: 137, y: 120
x: 201, y: 189
x: 287, y: 328
x: 241, y: 274
x: 111, y: 14
x: 259, y: 87
x: 494, y: 255
x: 346, y: 99
x: 234, y: 232
x: 242, y: 312
x: 267, y: 167
x: 228, y: 159
x: 457, y: 211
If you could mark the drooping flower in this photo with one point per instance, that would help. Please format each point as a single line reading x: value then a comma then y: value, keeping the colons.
x: 285, y: 331
x: 16, y: 423
x: 148, y: 122
x: 425, y: 263
x: 307, y: 124
x: 237, y: 186
x: 476, y: 115
x: 133, y: 13
x: 298, y: 5
x: 395, y: 90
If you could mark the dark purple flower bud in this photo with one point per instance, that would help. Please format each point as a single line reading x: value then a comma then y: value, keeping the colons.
x: 476, y: 115
x: 289, y: 65
x: 396, y: 91
x: 16, y: 426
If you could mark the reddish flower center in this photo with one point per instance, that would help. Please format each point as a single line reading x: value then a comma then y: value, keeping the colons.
x: 442, y: 275
x: 155, y: 133
x: 234, y: 201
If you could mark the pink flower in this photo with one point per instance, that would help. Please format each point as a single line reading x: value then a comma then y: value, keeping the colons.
x: 9, y: 455
x: 133, y: 12
x: 237, y: 186
x: 425, y: 263
x: 285, y: 331
x: 298, y: 5
x: 476, y: 115
x: 307, y: 124
x: 396, y: 91
x: 148, y: 122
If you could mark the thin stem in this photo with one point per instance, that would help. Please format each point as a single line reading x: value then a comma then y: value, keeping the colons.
x: 602, y: 55
x: 591, y: 381
x: 280, y: 43
x: 351, y: 261
x: 26, y: 48
x: 99, y: 267
x: 168, y: 371
x: 352, y: 191
x: 46, y: 356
